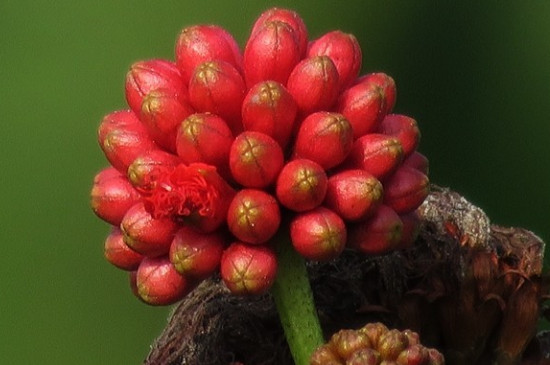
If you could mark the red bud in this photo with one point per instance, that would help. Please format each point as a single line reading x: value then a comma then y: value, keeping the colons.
x: 319, y: 234
x: 202, y: 43
x: 146, y: 76
x: 158, y: 283
x: 269, y: 108
x: 353, y: 194
x: 253, y: 216
x: 377, y: 154
x: 379, y: 234
x: 196, y: 254
x: 346, y: 342
x: 112, y: 196
x: 406, y: 189
x: 344, y: 50
x: 301, y: 185
x: 325, y: 138
x: 247, y: 269
x: 162, y: 113
x: 217, y: 87
x: 314, y: 84
x: 271, y: 53
x: 118, y: 253
x: 205, y: 138
x: 255, y: 159
x: 418, y: 161
x: 143, y: 172
x: 146, y: 235
x: 404, y: 129
x: 386, y: 87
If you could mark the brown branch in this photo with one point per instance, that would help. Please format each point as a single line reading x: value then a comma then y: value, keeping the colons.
x: 472, y: 289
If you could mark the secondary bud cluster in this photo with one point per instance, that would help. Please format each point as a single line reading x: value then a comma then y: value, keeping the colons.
x: 375, y: 344
x: 217, y: 146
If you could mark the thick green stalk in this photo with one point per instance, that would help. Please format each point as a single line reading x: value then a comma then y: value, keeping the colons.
x: 294, y: 301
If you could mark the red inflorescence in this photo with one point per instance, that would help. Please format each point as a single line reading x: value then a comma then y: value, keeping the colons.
x: 222, y: 148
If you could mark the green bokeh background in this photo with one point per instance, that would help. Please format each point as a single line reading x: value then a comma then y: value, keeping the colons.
x: 476, y: 76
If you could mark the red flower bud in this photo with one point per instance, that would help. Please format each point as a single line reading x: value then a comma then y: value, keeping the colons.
x: 289, y: 17
x: 325, y: 138
x: 344, y: 50
x: 418, y: 161
x: 404, y: 129
x: 162, y: 113
x: 319, y: 234
x: 143, y: 172
x: 193, y: 194
x: 217, y: 87
x: 271, y: 53
x: 248, y: 270
x: 314, y: 84
x: 253, y: 216
x: 411, y: 229
x: 146, y: 235
x: 301, y: 185
x: 391, y: 344
x: 365, y: 357
x: 255, y: 159
x: 146, y: 76
x: 269, y: 108
x: 202, y: 43
x: 346, y: 342
x: 205, y: 138
x: 158, y: 283
x: 363, y: 105
x: 196, y: 254
x: 374, y: 331
x: 112, y: 196
x: 413, y: 355
x: 118, y: 253
x: 122, y: 137
x: 353, y: 194
x: 435, y: 357
x: 379, y: 234
x: 386, y: 87
x: 323, y: 355
x: 377, y: 154
x: 406, y: 189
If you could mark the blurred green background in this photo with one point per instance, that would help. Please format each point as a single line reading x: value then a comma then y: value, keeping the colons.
x: 476, y: 76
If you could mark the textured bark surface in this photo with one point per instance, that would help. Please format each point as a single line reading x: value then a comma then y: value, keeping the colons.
x: 472, y: 289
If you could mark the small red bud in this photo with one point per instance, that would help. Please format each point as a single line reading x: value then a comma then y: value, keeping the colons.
x: 344, y: 50
x: 418, y: 161
x: 435, y: 357
x: 353, y: 194
x: 142, y: 173
x: 391, y: 344
x: 255, y: 159
x: 289, y: 17
x: 386, y: 87
x: 217, y: 87
x: 365, y: 357
x: 411, y: 229
x: 248, y: 270
x: 379, y: 234
x: 377, y: 154
x: 404, y: 129
x: 158, y: 282
x: 324, y: 355
x: 196, y: 254
x: 346, y: 342
x: 314, y: 84
x: 271, y: 53
x: 112, y: 196
x: 205, y: 138
x: 118, y: 253
x: 301, y: 185
x: 374, y: 331
x: 146, y: 235
x: 122, y: 137
x: 269, y: 108
x: 253, y: 216
x: 162, y: 113
x: 319, y: 234
x: 413, y: 355
x: 146, y: 76
x: 325, y: 138
x: 202, y: 43
x: 362, y: 104
x: 406, y: 189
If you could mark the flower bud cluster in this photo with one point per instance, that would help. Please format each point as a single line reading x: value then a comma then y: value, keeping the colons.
x: 375, y: 344
x: 217, y: 146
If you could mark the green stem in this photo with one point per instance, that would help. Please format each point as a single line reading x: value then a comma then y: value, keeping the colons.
x: 294, y: 301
